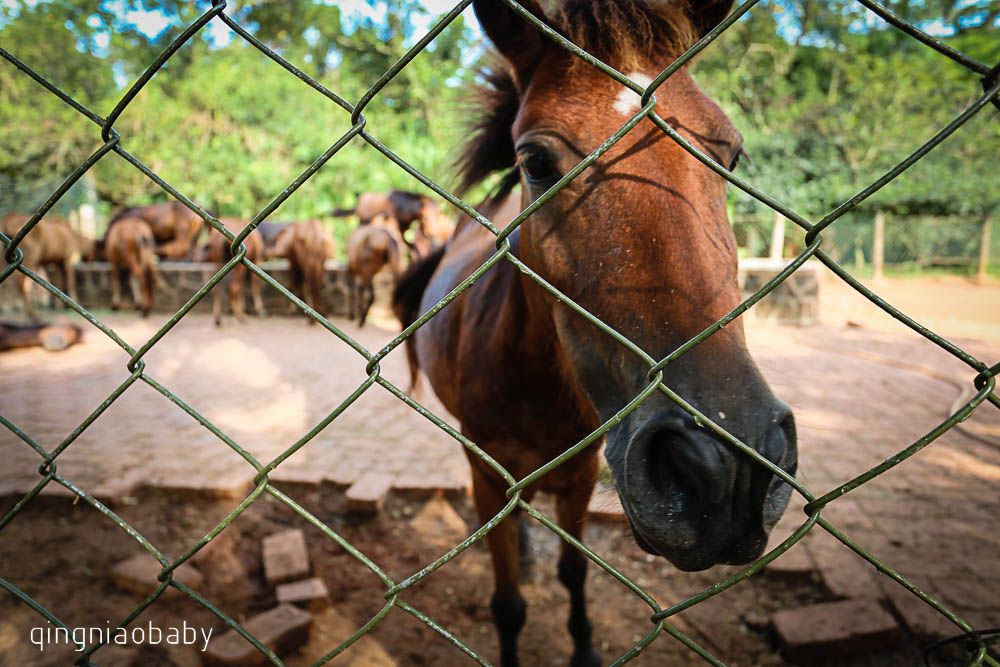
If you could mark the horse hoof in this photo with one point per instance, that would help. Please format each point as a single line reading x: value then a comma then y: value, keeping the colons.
x: 586, y: 658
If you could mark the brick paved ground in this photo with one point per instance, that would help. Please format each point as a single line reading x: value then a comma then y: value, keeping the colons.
x: 859, y: 396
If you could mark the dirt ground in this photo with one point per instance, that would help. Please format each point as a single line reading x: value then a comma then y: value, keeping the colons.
x: 861, y: 392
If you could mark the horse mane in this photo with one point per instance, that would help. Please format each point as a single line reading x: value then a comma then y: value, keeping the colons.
x: 490, y: 147
x: 629, y: 35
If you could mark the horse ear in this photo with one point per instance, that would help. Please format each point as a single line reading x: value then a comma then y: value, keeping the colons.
x: 706, y: 14
x: 514, y: 36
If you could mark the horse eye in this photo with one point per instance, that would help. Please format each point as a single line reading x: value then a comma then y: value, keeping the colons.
x: 537, y: 167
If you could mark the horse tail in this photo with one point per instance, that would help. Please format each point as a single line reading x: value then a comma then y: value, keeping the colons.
x: 406, y: 298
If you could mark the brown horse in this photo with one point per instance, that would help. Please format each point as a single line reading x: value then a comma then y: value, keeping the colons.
x: 307, y: 245
x: 52, y: 337
x: 175, y: 227
x: 216, y: 250
x: 131, y: 248
x: 370, y: 248
x: 640, y: 239
x: 433, y: 227
x: 52, y: 243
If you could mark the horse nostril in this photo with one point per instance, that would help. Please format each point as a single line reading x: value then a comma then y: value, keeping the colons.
x: 780, y: 445
x: 687, y: 471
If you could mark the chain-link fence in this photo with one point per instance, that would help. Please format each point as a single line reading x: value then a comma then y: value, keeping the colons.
x: 982, y: 375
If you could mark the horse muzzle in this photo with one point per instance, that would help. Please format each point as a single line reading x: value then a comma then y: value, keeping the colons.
x: 697, y: 500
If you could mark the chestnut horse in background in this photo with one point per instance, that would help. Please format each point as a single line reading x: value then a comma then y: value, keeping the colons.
x: 131, y: 249
x: 307, y: 245
x: 217, y: 251
x: 175, y: 227
x: 52, y: 243
x: 370, y: 248
x: 433, y: 227
x: 640, y: 239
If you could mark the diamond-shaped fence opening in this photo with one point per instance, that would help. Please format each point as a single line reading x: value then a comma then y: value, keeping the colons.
x: 395, y: 591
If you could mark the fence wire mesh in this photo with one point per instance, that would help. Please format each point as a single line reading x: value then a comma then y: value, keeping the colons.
x: 982, y: 375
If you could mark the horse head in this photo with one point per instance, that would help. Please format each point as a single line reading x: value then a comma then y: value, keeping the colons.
x: 642, y: 240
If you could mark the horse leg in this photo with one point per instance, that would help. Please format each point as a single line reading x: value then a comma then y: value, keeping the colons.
x: 134, y: 273
x: 149, y: 288
x: 297, y: 283
x: 571, y: 512
x: 314, y: 283
x: 506, y: 605
x: 236, y: 292
x: 70, y: 272
x: 366, y: 300
x: 216, y: 307
x: 24, y: 283
x: 256, y: 284
x: 116, y: 287
x: 354, y: 297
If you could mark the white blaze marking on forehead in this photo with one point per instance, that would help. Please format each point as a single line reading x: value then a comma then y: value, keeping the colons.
x: 627, y: 102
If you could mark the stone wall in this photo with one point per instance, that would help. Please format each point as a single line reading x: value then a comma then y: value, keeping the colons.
x: 178, y: 281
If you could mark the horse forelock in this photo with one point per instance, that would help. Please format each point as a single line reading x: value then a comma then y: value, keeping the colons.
x: 628, y: 34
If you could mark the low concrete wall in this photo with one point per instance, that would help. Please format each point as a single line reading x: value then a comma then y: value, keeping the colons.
x: 178, y: 281
x: 795, y: 301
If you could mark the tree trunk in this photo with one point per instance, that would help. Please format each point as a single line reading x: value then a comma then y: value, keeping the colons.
x: 778, y: 237
x: 984, y: 248
x: 878, y: 246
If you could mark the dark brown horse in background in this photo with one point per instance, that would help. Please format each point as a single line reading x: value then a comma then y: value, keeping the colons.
x: 53, y: 243
x: 307, y: 245
x: 640, y: 239
x: 175, y: 227
x: 217, y: 251
x: 433, y: 227
x: 131, y: 249
x: 370, y: 248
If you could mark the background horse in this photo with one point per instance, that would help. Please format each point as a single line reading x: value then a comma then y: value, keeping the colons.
x: 216, y: 250
x: 370, y: 248
x: 175, y: 227
x: 640, y: 239
x: 131, y: 248
x: 53, y: 243
x: 307, y: 245
x: 433, y: 227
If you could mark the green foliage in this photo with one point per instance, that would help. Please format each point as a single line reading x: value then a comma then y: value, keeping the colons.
x: 830, y: 106
x: 827, y: 99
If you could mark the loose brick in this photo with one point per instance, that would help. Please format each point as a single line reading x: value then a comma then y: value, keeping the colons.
x: 920, y: 619
x: 439, y: 524
x: 794, y: 564
x: 834, y: 629
x: 845, y: 574
x: 329, y: 630
x: 421, y: 484
x: 282, y: 629
x: 309, y: 594
x: 285, y: 557
x: 368, y: 492
x: 138, y: 574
